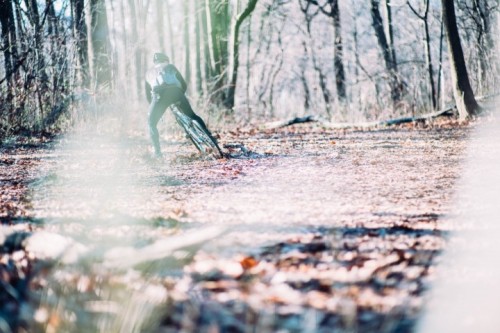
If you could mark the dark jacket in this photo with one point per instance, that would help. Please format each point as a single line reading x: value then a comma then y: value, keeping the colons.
x: 155, y: 83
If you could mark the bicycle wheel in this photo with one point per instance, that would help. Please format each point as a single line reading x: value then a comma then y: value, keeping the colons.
x: 207, y: 139
x: 202, y: 139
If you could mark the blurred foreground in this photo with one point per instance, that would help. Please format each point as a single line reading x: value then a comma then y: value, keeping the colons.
x: 466, y: 295
x: 319, y: 229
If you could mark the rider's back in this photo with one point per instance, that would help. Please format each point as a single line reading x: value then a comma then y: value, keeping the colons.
x: 165, y: 74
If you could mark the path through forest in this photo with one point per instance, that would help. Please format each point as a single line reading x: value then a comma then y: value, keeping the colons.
x: 318, y: 229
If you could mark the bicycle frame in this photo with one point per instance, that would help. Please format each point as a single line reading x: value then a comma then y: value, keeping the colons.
x: 198, y: 136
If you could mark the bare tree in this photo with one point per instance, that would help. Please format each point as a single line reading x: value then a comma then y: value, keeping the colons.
x: 321, y: 75
x: 206, y: 39
x: 464, y: 96
x: 46, y: 56
x: 187, y: 51
x: 220, y: 28
x: 160, y: 24
x: 198, y: 47
x: 391, y: 66
x: 331, y: 9
x: 100, y: 44
x: 229, y: 103
x: 478, y: 22
x: 389, y: 28
x: 8, y: 38
x: 440, y: 84
x: 424, y: 17
x: 80, y: 35
x: 134, y: 22
x: 170, y: 31
x: 303, y: 79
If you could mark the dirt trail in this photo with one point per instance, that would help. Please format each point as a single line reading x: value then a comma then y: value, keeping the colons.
x: 358, y: 179
x: 323, y: 228
x: 351, y: 223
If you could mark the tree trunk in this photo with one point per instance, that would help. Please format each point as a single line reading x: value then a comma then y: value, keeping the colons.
x: 55, y: 49
x: 206, y: 40
x: 275, y: 74
x: 430, y: 68
x: 216, y: 36
x: 247, y: 67
x: 34, y: 18
x: 390, y: 63
x: 100, y: 44
x: 428, y: 54
x: 187, y: 54
x: 229, y: 103
x: 481, y: 13
x: 170, y: 33
x: 339, y: 53
x: 322, y: 77
x: 464, y: 96
x: 126, y: 60
x: 8, y: 35
x: 440, y: 85
x: 219, y: 19
x: 160, y: 24
x: 80, y: 33
x: 137, y: 51
x: 21, y: 31
x: 8, y: 45
x: 197, y: 35
x: 390, y: 32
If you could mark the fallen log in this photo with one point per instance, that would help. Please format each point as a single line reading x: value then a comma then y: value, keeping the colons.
x: 390, y: 122
x: 447, y: 112
x: 296, y: 120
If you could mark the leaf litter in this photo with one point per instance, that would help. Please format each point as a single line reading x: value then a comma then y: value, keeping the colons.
x: 324, y: 229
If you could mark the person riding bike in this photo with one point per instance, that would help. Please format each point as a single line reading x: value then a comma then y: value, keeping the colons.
x: 166, y: 86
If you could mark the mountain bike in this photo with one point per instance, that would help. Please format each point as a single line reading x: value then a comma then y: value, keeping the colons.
x: 201, y: 138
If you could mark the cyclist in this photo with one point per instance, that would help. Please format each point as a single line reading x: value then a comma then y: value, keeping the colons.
x: 166, y: 86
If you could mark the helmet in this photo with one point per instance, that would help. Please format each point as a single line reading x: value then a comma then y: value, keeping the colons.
x: 160, y: 58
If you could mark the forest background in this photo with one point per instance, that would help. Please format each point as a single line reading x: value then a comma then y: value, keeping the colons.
x: 247, y: 62
x: 259, y: 59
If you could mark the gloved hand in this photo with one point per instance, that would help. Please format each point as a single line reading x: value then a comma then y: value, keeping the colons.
x: 159, y: 89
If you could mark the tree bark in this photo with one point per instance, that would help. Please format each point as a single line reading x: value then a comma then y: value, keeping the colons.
x: 80, y: 33
x: 440, y: 85
x: 126, y: 60
x: 275, y: 74
x: 464, y: 96
x: 206, y: 40
x: 34, y: 18
x: 170, y: 33
x: 428, y: 54
x: 321, y: 75
x: 390, y: 63
x: 8, y: 38
x: 390, y: 31
x: 187, y: 51
x: 247, y: 67
x: 219, y: 19
x: 482, y: 13
x: 100, y: 44
x: 339, y: 53
x: 229, y: 103
x: 56, y: 49
x: 160, y: 24
x: 197, y: 36
x: 137, y: 51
